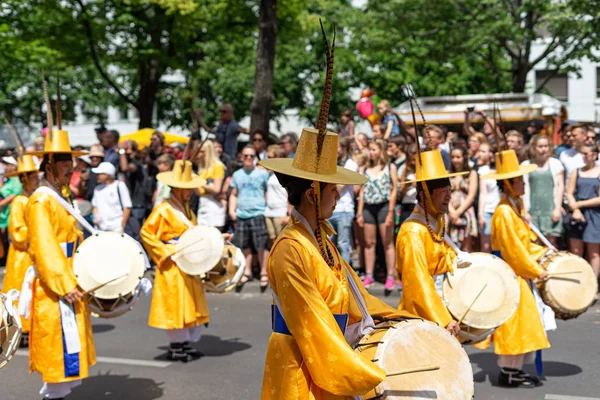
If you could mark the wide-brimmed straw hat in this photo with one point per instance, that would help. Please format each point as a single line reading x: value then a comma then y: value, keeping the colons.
x: 181, y: 176
x: 307, y: 165
x: 57, y: 143
x: 25, y: 165
x: 429, y: 165
x: 507, y: 166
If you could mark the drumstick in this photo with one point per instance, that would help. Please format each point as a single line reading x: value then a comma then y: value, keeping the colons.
x: 564, y: 273
x: 472, y: 303
x: 413, y: 370
x: 103, y: 284
x: 165, y: 258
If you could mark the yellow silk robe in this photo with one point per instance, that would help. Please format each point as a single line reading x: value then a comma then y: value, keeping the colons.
x: 49, y: 225
x: 18, y: 259
x: 512, y: 237
x: 418, y: 258
x: 315, y: 362
x: 178, y: 299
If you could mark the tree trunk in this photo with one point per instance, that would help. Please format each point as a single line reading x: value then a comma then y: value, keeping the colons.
x: 149, y: 79
x: 265, y: 60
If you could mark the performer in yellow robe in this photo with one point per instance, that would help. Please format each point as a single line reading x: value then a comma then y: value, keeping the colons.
x: 513, y: 240
x: 61, y: 341
x: 320, y: 304
x: 18, y: 260
x: 422, y: 248
x: 178, y: 301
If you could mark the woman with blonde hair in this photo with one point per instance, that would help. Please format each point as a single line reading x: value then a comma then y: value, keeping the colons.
x: 476, y: 140
x: 376, y: 203
x: 211, y: 210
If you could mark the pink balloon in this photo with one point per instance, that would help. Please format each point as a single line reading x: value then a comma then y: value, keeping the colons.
x: 44, y: 131
x: 365, y: 107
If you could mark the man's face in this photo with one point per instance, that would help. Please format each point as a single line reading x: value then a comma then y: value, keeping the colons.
x: 102, y: 178
x: 108, y: 140
x: 65, y: 171
x: 34, y: 180
x: 248, y: 156
x: 225, y: 113
x: 513, y: 143
x: 518, y: 186
x: 432, y: 140
x: 579, y: 136
x: 96, y: 160
x: 287, y: 145
x: 218, y: 149
x: 154, y: 141
x: 441, y: 198
x: 590, y: 137
x: 163, y: 167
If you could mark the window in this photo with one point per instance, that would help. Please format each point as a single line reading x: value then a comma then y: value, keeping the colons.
x: 123, y: 113
x: 557, y: 85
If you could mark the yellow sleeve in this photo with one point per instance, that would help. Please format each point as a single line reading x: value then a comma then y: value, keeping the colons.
x: 151, y: 234
x: 218, y: 171
x: 17, y: 228
x: 374, y: 305
x: 418, y: 288
x: 51, y: 264
x: 333, y: 365
x: 537, y: 251
x: 506, y: 231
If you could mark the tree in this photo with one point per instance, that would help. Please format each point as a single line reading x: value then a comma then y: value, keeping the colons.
x: 265, y: 60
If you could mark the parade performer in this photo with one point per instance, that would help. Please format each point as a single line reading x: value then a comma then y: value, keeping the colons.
x: 61, y: 342
x: 321, y: 307
x: 513, y: 240
x: 423, y: 249
x: 178, y: 302
x: 18, y: 260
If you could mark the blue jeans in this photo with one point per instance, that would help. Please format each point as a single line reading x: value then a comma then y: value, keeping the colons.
x: 342, y: 223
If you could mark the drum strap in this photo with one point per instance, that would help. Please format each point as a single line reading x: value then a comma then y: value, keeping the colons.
x: 179, y: 213
x: 69, y: 208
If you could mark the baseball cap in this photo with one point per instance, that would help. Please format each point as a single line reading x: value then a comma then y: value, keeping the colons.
x: 86, y: 159
x: 105, y: 168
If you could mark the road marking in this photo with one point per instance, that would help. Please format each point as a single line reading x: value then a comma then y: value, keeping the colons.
x: 120, y: 361
x: 561, y: 397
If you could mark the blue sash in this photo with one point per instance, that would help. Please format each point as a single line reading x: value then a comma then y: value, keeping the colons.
x: 279, y: 325
x: 70, y: 361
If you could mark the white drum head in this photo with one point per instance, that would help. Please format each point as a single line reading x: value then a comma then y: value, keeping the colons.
x: 10, y: 330
x: 199, y: 249
x: 497, y: 303
x: 105, y: 256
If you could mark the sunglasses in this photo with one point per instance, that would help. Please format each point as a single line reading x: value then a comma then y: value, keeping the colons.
x: 258, y: 139
x: 248, y: 156
x: 285, y: 142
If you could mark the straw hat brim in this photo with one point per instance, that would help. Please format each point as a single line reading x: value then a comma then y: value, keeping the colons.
x: 168, y: 179
x: 18, y: 173
x: 523, y: 169
x: 75, y: 154
x: 342, y: 176
x: 437, y: 177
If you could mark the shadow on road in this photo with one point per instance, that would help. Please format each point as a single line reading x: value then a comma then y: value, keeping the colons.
x: 101, y: 328
x: 107, y: 386
x: 487, y: 363
x: 213, y: 346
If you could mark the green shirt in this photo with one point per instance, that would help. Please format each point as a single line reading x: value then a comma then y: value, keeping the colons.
x: 12, y: 186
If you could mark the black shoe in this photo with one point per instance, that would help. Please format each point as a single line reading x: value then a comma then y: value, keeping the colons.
x: 190, y: 351
x: 24, y: 343
x: 264, y: 283
x: 536, y: 381
x: 511, y: 377
x: 56, y: 398
x: 177, y: 353
x: 243, y: 280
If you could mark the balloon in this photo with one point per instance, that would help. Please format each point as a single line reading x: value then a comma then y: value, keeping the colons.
x: 365, y: 107
x: 367, y: 93
x: 374, y: 119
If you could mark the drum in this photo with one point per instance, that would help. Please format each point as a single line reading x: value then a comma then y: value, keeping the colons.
x: 103, y: 257
x: 571, y: 286
x: 10, y: 327
x: 227, y: 273
x: 400, y: 346
x: 198, y: 249
x: 497, y: 303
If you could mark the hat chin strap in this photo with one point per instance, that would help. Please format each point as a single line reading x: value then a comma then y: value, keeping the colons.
x: 429, y: 205
x: 64, y: 190
x: 511, y: 193
x: 323, y: 248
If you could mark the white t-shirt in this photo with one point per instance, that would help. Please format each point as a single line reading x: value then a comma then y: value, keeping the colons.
x: 109, y: 212
x: 277, y: 204
x: 493, y: 192
x: 346, y: 201
x: 410, y: 197
x: 572, y: 159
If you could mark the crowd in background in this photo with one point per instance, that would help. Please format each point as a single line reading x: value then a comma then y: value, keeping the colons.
x: 115, y: 186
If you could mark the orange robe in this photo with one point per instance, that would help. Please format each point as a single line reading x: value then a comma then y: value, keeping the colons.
x: 418, y: 258
x: 50, y: 226
x: 315, y: 361
x: 178, y: 299
x: 18, y: 260
x: 512, y: 237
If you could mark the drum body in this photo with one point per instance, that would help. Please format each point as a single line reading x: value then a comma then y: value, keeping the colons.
x: 572, y: 290
x: 397, y: 346
x: 199, y: 249
x: 105, y: 256
x: 497, y: 303
x: 10, y: 329
x: 227, y: 273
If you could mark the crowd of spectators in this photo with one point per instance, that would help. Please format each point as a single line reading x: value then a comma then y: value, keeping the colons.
x: 115, y: 186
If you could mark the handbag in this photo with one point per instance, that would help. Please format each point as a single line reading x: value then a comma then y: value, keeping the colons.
x: 132, y: 227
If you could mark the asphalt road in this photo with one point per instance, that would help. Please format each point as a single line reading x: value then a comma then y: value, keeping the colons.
x: 132, y: 360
